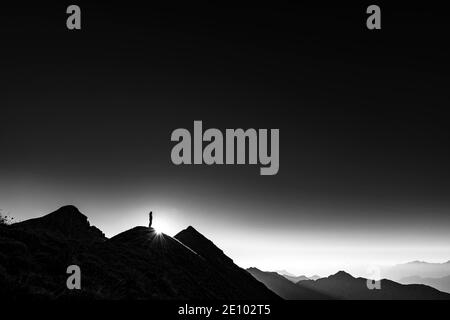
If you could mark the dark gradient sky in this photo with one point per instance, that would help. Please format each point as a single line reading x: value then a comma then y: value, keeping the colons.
x: 364, y: 176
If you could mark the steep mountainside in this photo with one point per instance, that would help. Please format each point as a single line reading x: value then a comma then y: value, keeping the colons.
x: 286, y: 288
x: 237, y: 278
x: 136, y: 264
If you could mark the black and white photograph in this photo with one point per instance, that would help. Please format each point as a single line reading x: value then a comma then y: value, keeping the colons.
x: 224, y: 160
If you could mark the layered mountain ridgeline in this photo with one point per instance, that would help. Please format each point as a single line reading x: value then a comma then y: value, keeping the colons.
x: 344, y: 286
x: 442, y: 284
x: 294, y: 278
x: 286, y: 288
x: 136, y: 264
x: 416, y: 268
x: 436, y: 275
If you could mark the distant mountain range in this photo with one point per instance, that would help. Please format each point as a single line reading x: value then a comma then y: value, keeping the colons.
x: 416, y: 269
x: 286, y: 288
x: 135, y: 264
x: 442, y: 284
x: 436, y: 275
x: 344, y: 286
x: 294, y: 278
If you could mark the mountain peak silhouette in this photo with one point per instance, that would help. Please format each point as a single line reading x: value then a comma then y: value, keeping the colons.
x: 341, y: 275
x: 139, y: 263
x: 67, y: 222
x: 203, y: 246
x: 68, y: 209
x: 286, y: 288
x: 416, y: 262
x: 344, y: 286
x: 238, y: 279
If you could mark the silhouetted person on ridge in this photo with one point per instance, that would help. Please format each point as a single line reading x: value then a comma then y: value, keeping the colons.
x: 150, y: 219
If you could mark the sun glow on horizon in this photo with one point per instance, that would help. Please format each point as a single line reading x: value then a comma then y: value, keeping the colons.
x: 162, y: 224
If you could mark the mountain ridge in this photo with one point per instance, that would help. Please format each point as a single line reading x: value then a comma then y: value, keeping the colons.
x: 141, y: 263
x: 217, y: 258
x: 138, y: 263
x: 416, y: 268
x: 441, y: 284
x: 67, y: 221
x: 286, y: 288
x: 342, y: 285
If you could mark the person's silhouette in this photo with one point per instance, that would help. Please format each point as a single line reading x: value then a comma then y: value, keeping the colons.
x: 150, y: 219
